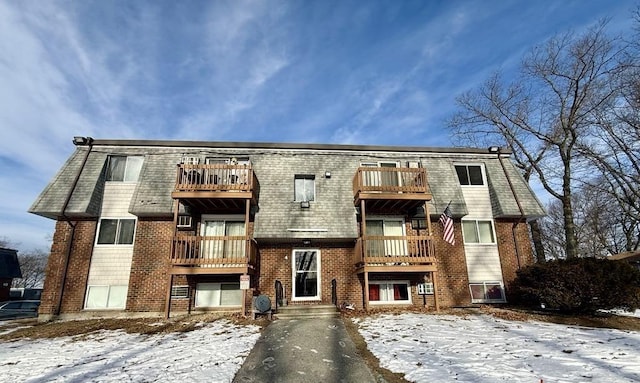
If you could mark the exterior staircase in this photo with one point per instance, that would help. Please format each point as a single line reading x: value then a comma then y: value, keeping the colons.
x: 307, y: 312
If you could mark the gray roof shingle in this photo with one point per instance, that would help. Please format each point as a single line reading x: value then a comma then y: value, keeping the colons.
x: 332, y: 213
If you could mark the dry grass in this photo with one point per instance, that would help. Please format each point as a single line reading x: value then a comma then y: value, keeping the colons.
x: 79, y: 329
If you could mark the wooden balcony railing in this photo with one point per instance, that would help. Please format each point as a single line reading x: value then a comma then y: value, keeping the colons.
x: 392, y: 250
x: 216, y: 177
x: 390, y: 180
x: 214, y: 251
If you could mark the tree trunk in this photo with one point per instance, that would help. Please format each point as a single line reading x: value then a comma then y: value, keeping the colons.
x: 536, y: 237
x: 571, y: 242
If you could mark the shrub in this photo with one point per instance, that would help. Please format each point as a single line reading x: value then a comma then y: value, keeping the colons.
x: 582, y: 285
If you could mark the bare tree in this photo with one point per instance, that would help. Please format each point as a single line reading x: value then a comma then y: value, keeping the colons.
x: 33, y: 265
x: 600, y: 228
x: 547, y: 111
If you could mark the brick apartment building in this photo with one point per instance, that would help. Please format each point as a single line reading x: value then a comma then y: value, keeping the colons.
x: 166, y: 227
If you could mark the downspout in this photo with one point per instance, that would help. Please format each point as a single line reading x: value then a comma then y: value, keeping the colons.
x: 77, y: 141
x: 522, y: 215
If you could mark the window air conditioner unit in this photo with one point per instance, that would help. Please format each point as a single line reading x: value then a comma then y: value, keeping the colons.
x: 191, y: 160
x: 184, y: 222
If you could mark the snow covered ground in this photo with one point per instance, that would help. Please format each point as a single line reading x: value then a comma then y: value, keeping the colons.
x: 426, y: 348
x: 444, y: 348
x: 212, y: 353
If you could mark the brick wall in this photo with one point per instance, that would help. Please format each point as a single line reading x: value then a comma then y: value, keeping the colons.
x: 78, y: 268
x: 509, y: 260
x: 150, y: 268
x: 452, y: 277
x: 336, y: 263
x: 150, y: 264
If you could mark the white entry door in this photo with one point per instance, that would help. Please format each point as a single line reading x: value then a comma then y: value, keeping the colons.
x: 306, y: 274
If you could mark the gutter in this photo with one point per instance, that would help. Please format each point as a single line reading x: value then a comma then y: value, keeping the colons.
x: 522, y: 215
x: 72, y: 224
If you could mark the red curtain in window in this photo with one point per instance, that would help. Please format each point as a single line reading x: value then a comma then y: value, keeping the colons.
x: 374, y: 292
x: 396, y: 292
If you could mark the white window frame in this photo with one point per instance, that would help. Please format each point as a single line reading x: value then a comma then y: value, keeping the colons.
x: 318, y: 295
x: 126, y: 167
x: 476, y: 220
x: 305, y: 177
x: 219, y: 304
x: 106, y: 306
x: 135, y: 228
x: 484, y: 285
x: 391, y: 283
x: 466, y: 165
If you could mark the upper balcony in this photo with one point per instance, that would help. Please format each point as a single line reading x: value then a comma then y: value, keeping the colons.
x: 216, y: 186
x: 213, y: 255
x: 387, y: 189
x: 395, y: 254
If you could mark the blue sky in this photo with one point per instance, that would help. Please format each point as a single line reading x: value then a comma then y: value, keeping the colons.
x: 358, y: 72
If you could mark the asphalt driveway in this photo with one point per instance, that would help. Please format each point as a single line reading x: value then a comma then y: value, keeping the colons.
x: 304, y: 350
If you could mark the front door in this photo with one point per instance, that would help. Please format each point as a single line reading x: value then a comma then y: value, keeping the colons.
x: 306, y: 274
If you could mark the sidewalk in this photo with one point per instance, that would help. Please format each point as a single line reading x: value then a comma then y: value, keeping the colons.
x: 304, y: 350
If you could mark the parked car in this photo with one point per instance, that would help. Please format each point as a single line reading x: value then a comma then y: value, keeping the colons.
x: 19, y: 309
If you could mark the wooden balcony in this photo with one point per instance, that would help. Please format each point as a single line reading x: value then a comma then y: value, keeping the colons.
x: 216, y: 186
x: 213, y: 255
x: 395, y: 254
x: 390, y: 189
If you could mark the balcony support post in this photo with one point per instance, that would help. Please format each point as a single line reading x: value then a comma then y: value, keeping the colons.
x: 167, y: 306
x: 366, y: 289
x: 434, y: 279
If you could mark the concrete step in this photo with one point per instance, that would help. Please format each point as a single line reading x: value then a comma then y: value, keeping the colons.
x: 307, y: 311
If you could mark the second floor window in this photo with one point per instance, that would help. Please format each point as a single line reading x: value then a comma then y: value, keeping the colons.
x: 116, y: 231
x: 124, y: 168
x: 478, y: 231
x: 470, y: 175
x: 305, y: 188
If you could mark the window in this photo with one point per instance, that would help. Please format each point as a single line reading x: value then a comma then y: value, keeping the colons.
x: 305, y: 189
x: 389, y: 292
x: 218, y: 294
x: 470, y: 175
x: 106, y: 297
x: 478, y: 231
x: 487, y: 292
x: 124, y: 168
x: 116, y: 231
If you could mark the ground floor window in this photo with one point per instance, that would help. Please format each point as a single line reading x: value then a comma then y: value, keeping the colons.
x: 487, y: 292
x: 223, y: 294
x: 106, y: 297
x: 389, y: 292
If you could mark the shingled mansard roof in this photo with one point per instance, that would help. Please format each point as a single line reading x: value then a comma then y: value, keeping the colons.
x: 275, y: 165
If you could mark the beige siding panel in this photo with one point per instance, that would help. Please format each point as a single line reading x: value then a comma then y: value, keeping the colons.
x: 478, y: 202
x: 116, y: 200
x: 110, y: 265
x: 483, y: 263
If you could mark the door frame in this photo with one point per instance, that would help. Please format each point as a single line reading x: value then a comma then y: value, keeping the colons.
x: 318, y: 297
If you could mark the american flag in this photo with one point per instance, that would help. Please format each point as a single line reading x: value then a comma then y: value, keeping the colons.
x: 447, y: 226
